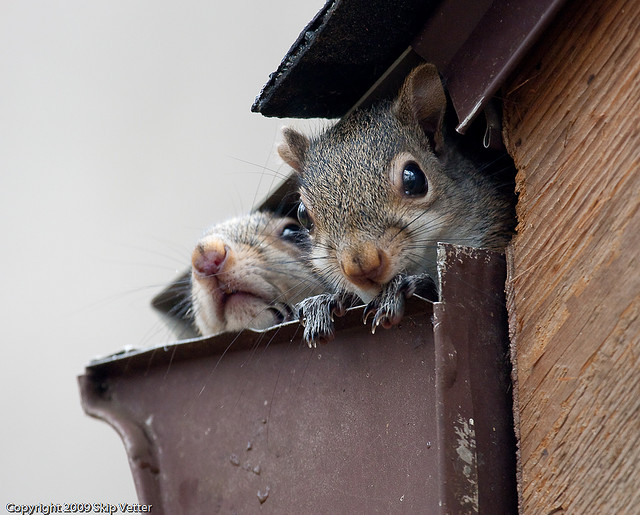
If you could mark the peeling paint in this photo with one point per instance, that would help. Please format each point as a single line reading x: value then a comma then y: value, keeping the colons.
x: 466, y: 451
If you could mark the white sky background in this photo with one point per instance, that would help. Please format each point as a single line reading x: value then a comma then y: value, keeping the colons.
x: 124, y: 127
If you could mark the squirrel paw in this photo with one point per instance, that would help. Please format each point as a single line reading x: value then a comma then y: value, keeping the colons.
x: 316, y: 315
x: 387, y: 307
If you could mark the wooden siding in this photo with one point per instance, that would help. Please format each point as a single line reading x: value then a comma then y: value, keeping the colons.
x: 572, y: 125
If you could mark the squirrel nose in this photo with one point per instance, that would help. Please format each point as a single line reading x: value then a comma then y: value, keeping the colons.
x: 364, y: 264
x: 210, y: 256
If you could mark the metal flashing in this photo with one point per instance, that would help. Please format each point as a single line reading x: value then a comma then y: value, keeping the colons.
x: 351, y: 44
x: 403, y: 420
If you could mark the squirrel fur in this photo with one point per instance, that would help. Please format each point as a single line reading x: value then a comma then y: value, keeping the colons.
x: 249, y: 272
x: 378, y: 190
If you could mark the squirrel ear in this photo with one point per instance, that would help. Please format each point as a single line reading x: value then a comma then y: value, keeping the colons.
x: 422, y: 99
x: 294, y: 148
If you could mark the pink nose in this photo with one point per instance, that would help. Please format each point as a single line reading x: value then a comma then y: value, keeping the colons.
x: 209, y: 258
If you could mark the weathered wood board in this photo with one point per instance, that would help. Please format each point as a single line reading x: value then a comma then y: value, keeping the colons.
x: 572, y: 125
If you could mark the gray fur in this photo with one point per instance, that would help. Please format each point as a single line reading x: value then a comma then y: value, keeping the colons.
x: 347, y: 184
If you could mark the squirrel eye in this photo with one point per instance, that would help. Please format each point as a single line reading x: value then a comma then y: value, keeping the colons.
x: 304, y: 218
x: 414, y: 182
x: 295, y: 234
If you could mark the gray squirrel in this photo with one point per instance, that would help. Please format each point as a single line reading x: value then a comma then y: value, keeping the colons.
x: 248, y: 272
x: 378, y: 190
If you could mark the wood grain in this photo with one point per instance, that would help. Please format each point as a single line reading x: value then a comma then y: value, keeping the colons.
x: 572, y: 125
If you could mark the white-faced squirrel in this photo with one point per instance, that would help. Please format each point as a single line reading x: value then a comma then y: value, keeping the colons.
x: 248, y: 272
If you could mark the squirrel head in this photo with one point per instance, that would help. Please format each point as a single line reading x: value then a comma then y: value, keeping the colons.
x: 249, y: 272
x: 380, y: 188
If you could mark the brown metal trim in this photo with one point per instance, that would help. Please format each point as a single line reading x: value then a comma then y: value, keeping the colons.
x: 366, y: 423
x: 475, y: 45
x: 475, y: 421
x: 140, y: 448
x: 476, y: 58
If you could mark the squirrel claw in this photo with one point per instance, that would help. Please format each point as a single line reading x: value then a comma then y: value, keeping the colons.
x: 337, y: 307
x: 388, y: 306
x: 370, y: 309
x: 314, y: 337
x: 316, y: 314
x: 375, y: 324
x: 382, y: 318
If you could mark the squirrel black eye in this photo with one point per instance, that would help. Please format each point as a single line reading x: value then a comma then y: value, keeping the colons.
x: 304, y: 218
x: 294, y: 234
x: 414, y: 182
